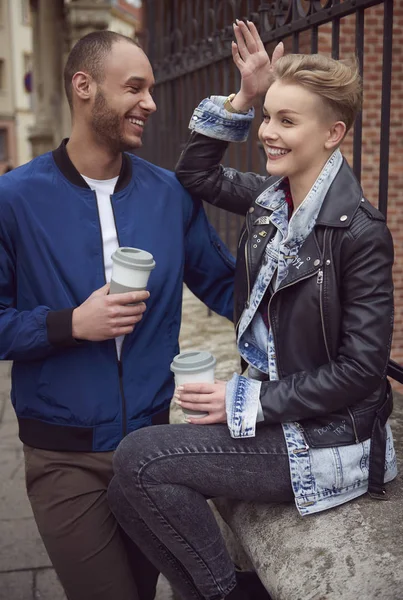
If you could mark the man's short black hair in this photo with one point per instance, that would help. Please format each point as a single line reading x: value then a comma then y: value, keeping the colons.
x: 88, y: 55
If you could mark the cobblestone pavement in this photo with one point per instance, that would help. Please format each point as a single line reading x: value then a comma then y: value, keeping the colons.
x: 25, y: 569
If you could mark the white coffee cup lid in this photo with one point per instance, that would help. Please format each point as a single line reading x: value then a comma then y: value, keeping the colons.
x: 134, y: 258
x: 192, y: 361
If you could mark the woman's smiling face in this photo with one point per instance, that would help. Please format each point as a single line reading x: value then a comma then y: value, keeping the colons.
x: 296, y: 131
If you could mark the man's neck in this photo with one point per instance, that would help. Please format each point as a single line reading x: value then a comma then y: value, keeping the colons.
x: 92, y: 160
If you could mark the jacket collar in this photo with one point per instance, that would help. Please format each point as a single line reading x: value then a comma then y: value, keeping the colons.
x: 342, y: 200
x: 339, y: 206
x: 63, y: 162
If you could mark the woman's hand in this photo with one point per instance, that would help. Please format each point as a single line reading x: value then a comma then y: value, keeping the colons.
x: 206, y: 397
x: 254, y: 64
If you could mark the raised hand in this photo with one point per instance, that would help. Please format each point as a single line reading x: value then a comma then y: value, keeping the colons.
x: 254, y: 64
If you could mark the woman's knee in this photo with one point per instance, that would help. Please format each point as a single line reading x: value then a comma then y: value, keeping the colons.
x: 129, y: 455
x: 137, y: 451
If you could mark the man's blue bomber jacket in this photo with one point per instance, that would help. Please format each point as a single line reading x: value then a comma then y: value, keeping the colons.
x: 77, y: 396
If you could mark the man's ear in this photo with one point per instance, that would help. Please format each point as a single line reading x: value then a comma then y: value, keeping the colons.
x: 82, y: 85
x: 335, y: 135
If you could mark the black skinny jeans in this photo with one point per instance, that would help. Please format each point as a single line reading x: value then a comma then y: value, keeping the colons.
x: 163, y: 478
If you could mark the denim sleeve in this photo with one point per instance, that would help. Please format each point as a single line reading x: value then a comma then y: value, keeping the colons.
x: 242, y: 405
x: 211, y: 119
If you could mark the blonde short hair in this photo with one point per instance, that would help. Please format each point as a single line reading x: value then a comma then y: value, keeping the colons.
x: 337, y: 82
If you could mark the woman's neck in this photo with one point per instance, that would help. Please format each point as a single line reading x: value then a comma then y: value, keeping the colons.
x: 301, y: 183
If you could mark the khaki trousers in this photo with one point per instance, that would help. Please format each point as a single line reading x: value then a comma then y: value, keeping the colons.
x: 92, y: 556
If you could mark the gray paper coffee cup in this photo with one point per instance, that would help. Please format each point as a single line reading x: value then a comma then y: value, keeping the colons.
x: 194, y: 366
x: 131, y: 270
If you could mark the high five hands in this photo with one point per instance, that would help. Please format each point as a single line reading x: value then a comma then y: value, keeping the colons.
x: 254, y: 64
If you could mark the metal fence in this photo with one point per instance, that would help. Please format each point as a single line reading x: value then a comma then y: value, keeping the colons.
x: 189, y: 44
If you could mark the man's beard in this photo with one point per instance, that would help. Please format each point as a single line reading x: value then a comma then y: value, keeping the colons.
x: 107, y: 125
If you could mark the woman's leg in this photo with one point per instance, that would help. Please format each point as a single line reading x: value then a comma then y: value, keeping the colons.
x: 151, y: 546
x: 166, y: 474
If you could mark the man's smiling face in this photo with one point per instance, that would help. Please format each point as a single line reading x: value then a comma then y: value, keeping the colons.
x: 123, y: 100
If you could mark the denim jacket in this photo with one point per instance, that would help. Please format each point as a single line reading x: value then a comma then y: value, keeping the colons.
x: 321, y: 477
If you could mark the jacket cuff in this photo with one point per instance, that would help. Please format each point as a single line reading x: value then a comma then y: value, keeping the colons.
x: 59, y: 324
x: 242, y: 401
x: 211, y: 119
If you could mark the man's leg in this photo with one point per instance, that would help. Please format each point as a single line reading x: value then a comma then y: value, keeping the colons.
x: 92, y: 558
x: 167, y: 475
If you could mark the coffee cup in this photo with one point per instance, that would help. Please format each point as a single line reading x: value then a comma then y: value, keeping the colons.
x: 193, y: 366
x: 131, y: 270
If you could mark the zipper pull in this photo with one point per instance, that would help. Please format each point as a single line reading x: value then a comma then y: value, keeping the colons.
x: 319, y: 280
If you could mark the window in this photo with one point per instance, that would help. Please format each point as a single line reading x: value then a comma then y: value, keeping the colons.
x: 27, y: 62
x: 25, y: 12
x: 3, y: 145
x: 2, y: 75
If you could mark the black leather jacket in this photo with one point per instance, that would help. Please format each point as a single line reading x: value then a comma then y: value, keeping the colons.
x: 332, y: 316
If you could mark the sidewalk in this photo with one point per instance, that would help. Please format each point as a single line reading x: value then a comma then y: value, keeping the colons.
x: 25, y: 569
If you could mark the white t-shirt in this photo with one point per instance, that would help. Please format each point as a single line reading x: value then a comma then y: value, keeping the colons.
x: 104, y: 189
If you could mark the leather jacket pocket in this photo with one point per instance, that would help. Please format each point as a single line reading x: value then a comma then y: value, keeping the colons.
x: 336, y: 429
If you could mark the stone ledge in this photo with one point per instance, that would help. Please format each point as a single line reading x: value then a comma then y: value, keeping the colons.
x: 353, y: 552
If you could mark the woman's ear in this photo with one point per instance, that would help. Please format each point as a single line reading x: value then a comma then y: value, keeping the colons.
x: 335, y: 135
x: 82, y: 85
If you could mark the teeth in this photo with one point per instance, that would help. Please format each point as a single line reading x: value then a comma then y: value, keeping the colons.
x: 136, y: 122
x: 276, y: 151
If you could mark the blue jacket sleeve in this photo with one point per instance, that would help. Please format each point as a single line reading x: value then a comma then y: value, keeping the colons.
x: 27, y: 334
x: 209, y: 266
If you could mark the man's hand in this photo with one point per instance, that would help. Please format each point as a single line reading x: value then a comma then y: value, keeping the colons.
x: 206, y: 397
x: 254, y: 64
x: 102, y: 317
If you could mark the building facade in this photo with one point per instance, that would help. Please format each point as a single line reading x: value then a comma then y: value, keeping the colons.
x: 16, y: 110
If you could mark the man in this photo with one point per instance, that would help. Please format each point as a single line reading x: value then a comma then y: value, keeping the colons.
x: 91, y: 367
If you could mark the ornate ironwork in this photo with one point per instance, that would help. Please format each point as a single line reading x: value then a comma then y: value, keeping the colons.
x: 197, y: 33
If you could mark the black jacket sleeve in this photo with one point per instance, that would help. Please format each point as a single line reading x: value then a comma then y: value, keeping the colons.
x: 200, y: 171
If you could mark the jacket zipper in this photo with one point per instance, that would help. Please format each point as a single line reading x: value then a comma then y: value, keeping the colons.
x: 271, y: 299
x: 319, y: 281
x: 241, y: 238
x: 322, y: 318
x: 247, y: 269
x: 119, y: 361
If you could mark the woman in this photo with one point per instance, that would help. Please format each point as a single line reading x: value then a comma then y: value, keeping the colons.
x: 313, y: 314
